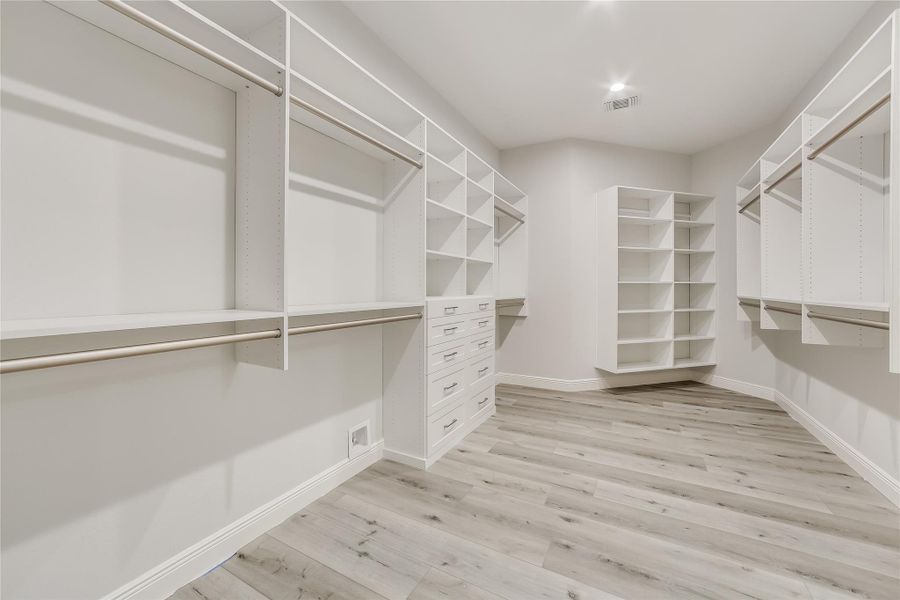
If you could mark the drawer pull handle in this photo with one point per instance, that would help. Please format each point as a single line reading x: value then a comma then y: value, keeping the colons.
x: 451, y: 424
x: 447, y: 388
x: 482, y: 371
x: 450, y: 330
x: 482, y: 323
x: 450, y: 310
x: 481, y: 403
x: 483, y: 344
x: 483, y: 306
x: 450, y: 355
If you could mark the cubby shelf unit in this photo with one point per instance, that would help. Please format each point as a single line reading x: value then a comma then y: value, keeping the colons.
x: 818, y: 251
x: 657, y: 270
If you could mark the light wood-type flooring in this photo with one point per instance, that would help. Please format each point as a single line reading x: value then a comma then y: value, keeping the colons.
x: 666, y: 491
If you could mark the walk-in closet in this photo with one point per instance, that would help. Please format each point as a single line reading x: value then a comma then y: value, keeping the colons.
x: 380, y: 300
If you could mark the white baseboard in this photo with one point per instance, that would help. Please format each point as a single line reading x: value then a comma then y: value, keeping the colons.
x: 736, y: 385
x: 163, y: 580
x: 878, y: 477
x: 422, y: 463
x: 405, y: 459
x: 594, y: 383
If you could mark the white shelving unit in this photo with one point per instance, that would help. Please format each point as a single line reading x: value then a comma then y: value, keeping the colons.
x: 748, y: 236
x: 323, y: 197
x: 660, y: 289
x: 825, y: 262
x: 510, y: 247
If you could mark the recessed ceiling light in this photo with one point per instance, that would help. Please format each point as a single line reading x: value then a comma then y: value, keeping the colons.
x: 617, y: 87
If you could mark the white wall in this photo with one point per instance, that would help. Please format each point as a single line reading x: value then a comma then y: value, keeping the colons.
x: 743, y: 350
x: 557, y: 340
x: 344, y: 29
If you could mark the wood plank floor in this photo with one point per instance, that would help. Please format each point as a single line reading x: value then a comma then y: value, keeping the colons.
x: 666, y: 491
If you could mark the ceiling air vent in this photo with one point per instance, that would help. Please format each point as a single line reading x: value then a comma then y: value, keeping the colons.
x: 620, y: 103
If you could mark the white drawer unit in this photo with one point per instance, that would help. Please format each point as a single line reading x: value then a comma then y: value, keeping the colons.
x: 480, y: 372
x: 447, y: 354
x: 446, y: 387
x: 440, y: 428
x: 479, y: 344
x: 445, y: 329
x: 481, y: 323
x: 448, y: 307
x: 480, y: 402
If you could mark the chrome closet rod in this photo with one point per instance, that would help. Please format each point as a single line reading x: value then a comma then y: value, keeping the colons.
x: 509, y: 214
x: 848, y: 320
x: 884, y: 100
x: 354, y: 131
x: 790, y: 311
x: 74, y: 358
x: 783, y: 177
x: 746, y: 206
x: 750, y: 304
x: 190, y: 44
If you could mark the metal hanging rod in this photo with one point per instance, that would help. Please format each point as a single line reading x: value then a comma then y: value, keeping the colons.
x: 509, y: 214
x: 783, y: 177
x: 790, y: 311
x: 869, y: 111
x: 750, y: 304
x: 848, y: 320
x: 190, y: 44
x: 746, y: 206
x: 354, y: 131
x: 74, y: 358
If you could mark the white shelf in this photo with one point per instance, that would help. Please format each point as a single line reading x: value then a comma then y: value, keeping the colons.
x: 506, y: 190
x: 642, y: 220
x: 621, y: 282
x: 691, y: 224
x: 690, y: 310
x: 435, y: 255
x: 693, y: 338
x: 437, y: 210
x: 751, y: 177
x: 625, y: 341
x: 187, y: 22
x: 634, y: 367
x: 781, y: 300
x: 682, y: 363
x: 693, y: 251
x: 850, y: 305
x: 695, y: 283
x: 644, y: 249
x: 480, y: 261
x: 32, y: 328
x: 791, y: 162
x: 335, y: 309
x: 475, y: 223
x: 322, y: 99
x: 438, y: 171
x: 749, y: 196
x: 643, y: 311
x: 501, y: 205
x: 877, y: 123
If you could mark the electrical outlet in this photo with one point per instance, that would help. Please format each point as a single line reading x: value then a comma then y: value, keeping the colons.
x: 358, y: 439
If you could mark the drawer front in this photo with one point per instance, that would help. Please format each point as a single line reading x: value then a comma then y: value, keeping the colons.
x: 481, y: 372
x: 480, y: 402
x: 447, y: 329
x: 481, y: 323
x: 445, y: 388
x: 445, y: 355
x: 440, y: 428
x: 483, y: 306
x: 480, y: 344
x: 449, y: 307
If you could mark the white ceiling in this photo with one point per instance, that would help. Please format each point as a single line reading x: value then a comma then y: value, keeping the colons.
x: 528, y: 72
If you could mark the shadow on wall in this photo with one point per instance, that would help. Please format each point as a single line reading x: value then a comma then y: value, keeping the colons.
x: 79, y: 439
x: 827, y: 381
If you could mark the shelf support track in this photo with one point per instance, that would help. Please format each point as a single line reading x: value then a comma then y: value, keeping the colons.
x: 353, y: 131
x: 868, y: 113
x: 190, y: 44
x: 75, y: 358
x: 848, y: 320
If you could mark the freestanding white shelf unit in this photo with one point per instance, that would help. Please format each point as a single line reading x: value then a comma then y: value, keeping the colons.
x: 819, y: 213
x: 657, y: 276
